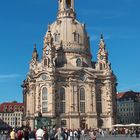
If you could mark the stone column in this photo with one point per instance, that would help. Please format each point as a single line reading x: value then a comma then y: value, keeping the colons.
x: 53, y: 99
x: 71, y: 98
x: 93, y: 94
x: 75, y: 98
x: 72, y: 4
x: 104, y: 100
x: 37, y: 99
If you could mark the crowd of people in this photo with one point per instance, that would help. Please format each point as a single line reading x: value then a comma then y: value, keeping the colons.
x: 45, y: 134
x: 64, y: 134
x: 131, y: 131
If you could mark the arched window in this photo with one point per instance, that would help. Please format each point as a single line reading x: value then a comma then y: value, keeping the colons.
x: 68, y: 3
x: 56, y: 37
x: 82, y: 100
x: 101, y: 66
x: 44, y: 100
x: 62, y: 100
x: 45, y: 62
x: 78, y: 62
x: 99, y: 101
x: 82, y: 94
x: 44, y: 94
x: 76, y: 37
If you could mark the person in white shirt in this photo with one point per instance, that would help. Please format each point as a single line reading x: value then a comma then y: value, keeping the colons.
x: 39, y: 134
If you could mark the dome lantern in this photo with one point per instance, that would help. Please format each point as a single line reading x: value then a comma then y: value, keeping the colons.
x: 66, y: 8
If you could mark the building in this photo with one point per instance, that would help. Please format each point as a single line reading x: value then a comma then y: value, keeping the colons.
x: 11, y: 114
x: 66, y: 86
x: 128, y: 107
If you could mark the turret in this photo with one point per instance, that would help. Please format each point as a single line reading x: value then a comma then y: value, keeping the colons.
x: 48, y: 50
x: 35, y: 54
x: 102, y: 56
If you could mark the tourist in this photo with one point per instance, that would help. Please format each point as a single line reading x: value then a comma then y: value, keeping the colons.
x: 25, y: 134
x: 12, y: 135
x: 39, y: 134
x: 45, y: 136
x: 92, y: 135
x: 78, y: 134
x: 32, y: 135
x: 137, y: 132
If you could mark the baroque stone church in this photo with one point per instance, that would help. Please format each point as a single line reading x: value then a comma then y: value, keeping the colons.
x: 66, y: 86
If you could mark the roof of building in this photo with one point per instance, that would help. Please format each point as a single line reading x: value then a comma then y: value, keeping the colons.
x: 11, y: 107
x: 128, y: 94
x: 120, y: 95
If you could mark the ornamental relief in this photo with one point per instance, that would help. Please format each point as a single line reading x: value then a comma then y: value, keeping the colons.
x: 32, y: 87
x: 69, y: 45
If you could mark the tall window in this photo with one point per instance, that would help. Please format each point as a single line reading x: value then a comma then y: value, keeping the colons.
x: 78, y: 62
x: 76, y: 37
x: 82, y: 100
x: 99, y: 102
x: 45, y: 62
x: 62, y: 100
x: 56, y: 37
x: 44, y: 100
x: 68, y: 3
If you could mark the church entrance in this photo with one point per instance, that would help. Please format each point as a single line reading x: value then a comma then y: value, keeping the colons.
x: 83, y: 123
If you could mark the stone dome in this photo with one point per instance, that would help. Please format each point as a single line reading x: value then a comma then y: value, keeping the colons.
x: 70, y: 35
x: 70, y: 32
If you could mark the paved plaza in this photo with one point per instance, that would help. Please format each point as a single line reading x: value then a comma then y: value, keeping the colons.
x: 117, y: 138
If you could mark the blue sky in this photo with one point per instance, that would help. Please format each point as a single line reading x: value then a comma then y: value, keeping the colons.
x: 24, y: 22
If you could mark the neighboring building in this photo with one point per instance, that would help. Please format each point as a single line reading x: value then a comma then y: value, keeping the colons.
x: 11, y: 114
x: 128, y: 107
x: 66, y: 86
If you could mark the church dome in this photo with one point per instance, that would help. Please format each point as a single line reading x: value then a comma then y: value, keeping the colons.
x: 68, y: 33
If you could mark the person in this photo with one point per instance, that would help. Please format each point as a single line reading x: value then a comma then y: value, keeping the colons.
x: 25, y: 134
x: 71, y: 135
x: 45, y: 136
x: 78, y: 134
x: 3, y: 136
x: 32, y: 135
x: 137, y: 132
x: 131, y: 132
x: 59, y: 135
x: 63, y: 134
x: 39, y: 134
x: 19, y: 135
x: 126, y: 132
x: 102, y: 133
x: 52, y: 134
x: 12, y: 134
x: 92, y: 135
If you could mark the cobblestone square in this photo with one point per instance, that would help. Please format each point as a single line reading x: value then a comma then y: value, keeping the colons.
x: 117, y: 138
